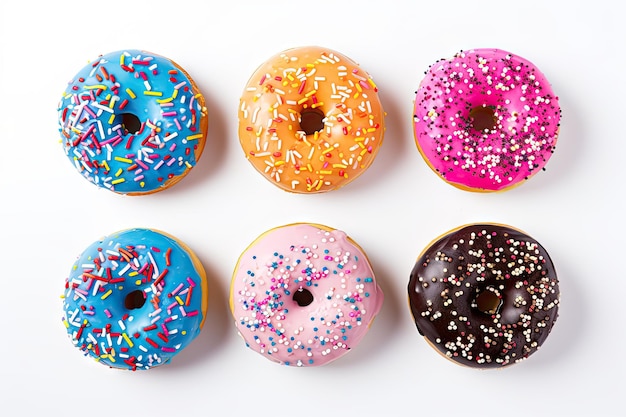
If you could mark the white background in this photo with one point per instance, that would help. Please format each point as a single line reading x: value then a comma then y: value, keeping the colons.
x: 49, y: 214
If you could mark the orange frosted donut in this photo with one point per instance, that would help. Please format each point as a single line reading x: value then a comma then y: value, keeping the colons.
x: 310, y: 120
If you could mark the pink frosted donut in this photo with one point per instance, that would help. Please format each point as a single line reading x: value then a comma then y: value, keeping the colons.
x: 486, y: 119
x: 303, y: 294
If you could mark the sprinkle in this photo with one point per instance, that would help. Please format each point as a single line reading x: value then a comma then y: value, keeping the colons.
x: 95, y: 87
x: 152, y: 342
x: 127, y: 339
x: 125, y: 160
x: 168, y: 254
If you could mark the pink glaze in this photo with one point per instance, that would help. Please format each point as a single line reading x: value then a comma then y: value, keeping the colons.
x: 525, y: 111
x: 313, y: 258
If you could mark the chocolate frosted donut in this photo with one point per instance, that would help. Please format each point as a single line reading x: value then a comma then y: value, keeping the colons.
x: 484, y: 295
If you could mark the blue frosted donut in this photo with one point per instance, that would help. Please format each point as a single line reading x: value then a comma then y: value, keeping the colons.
x: 135, y: 299
x: 133, y: 122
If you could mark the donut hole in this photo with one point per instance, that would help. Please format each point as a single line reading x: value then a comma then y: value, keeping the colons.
x: 311, y: 120
x: 483, y: 118
x: 303, y: 297
x: 134, y: 299
x: 488, y: 302
x: 130, y: 123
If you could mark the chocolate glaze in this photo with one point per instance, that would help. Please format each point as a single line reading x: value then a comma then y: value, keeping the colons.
x: 447, y: 299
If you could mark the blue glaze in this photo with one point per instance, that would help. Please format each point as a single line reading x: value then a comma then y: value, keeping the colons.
x: 91, y: 304
x: 149, y: 87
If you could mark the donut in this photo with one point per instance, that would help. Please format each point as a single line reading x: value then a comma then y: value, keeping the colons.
x: 484, y: 295
x: 303, y: 295
x: 133, y: 122
x: 310, y: 120
x: 135, y: 299
x: 485, y: 120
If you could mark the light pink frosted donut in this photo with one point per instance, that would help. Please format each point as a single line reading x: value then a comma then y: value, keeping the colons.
x: 486, y: 119
x: 303, y: 294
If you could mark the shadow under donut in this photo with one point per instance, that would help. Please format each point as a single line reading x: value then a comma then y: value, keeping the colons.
x: 214, y: 334
x: 213, y: 155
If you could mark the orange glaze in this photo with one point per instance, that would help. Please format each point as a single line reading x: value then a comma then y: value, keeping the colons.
x: 291, y: 89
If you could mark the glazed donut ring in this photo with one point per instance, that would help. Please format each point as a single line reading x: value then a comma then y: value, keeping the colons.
x: 135, y: 299
x: 133, y: 122
x: 303, y: 295
x: 310, y: 120
x: 485, y: 120
x: 484, y: 295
